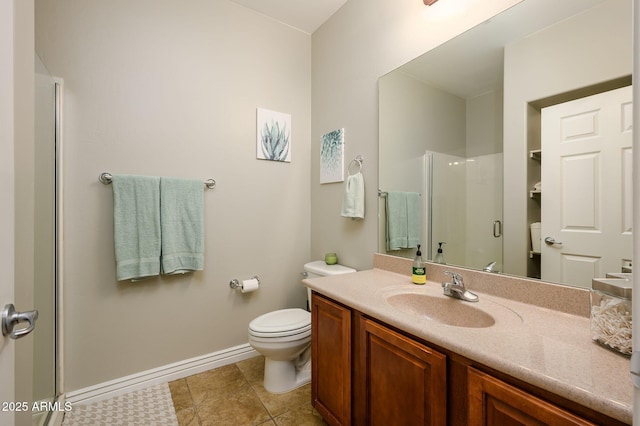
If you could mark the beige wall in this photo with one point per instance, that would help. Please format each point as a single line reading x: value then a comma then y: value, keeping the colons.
x: 365, y: 40
x: 415, y: 117
x: 181, y: 81
x: 484, y: 124
x: 171, y: 88
x: 361, y: 42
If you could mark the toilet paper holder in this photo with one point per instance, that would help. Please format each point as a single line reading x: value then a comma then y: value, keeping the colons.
x: 235, y: 284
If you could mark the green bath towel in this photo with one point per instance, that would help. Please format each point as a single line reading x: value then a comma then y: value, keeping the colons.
x: 182, y: 224
x: 136, y: 220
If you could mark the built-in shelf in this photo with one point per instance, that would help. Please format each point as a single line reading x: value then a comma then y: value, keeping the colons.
x: 535, y: 195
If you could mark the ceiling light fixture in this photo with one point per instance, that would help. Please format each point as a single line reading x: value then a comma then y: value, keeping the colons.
x: 429, y: 2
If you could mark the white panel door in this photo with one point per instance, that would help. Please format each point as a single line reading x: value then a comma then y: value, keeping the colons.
x: 586, y: 187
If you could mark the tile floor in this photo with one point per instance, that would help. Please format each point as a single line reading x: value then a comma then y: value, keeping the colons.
x: 234, y: 395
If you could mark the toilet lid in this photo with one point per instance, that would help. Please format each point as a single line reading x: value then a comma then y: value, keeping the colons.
x: 284, y: 322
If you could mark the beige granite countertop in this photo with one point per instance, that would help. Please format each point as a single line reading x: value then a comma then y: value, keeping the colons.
x: 550, y: 349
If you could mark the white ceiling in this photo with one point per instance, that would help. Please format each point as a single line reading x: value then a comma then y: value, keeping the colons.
x: 306, y: 15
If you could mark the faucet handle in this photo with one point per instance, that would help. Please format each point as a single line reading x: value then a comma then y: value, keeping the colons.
x: 455, y: 277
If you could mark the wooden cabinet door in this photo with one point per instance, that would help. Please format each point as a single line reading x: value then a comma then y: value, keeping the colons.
x: 494, y: 402
x: 400, y: 381
x: 331, y: 360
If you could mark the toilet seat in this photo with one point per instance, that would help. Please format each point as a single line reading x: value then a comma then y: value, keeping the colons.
x: 281, y: 323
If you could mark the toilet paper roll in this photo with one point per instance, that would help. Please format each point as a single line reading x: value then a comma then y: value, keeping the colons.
x: 250, y: 285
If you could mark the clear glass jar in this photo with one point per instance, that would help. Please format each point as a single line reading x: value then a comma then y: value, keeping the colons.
x: 611, y: 314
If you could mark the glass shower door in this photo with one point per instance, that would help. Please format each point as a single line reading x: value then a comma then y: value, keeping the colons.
x: 45, y: 389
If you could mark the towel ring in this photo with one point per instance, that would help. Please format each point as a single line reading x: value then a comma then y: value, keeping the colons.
x: 356, y: 162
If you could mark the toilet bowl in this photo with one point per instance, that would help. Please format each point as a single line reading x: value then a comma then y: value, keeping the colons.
x: 284, y: 338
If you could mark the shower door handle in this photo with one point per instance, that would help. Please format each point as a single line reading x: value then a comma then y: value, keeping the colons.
x: 497, y: 229
x: 10, y: 318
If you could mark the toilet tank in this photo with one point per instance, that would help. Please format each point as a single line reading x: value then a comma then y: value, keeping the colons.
x: 319, y: 268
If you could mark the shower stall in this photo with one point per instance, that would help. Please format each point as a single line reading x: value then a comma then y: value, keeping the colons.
x: 464, y: 208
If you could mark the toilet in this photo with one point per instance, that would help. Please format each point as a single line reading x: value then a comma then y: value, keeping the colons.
x: 284, y: 338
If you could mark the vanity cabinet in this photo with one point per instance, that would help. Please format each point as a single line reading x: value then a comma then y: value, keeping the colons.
x: 367, y: 373
x: 394, y: 380
x: 496, y: 403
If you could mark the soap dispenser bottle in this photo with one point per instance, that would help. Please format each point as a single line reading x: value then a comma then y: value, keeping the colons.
x: 419, y: 271
x: 439, y: 256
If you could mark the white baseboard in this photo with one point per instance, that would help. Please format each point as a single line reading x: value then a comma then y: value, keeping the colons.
x: 159, y: 375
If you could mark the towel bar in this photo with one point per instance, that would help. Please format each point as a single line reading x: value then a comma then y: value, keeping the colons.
x: 106, y: 178
x: 382, y: 193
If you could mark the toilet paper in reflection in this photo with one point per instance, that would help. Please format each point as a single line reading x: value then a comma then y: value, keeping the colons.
x: 250, y: 285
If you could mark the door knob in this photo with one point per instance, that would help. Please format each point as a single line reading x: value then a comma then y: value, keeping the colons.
x: 10, y: 318
x: 551, y: 241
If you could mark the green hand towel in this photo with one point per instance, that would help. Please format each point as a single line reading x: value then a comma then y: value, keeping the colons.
x: 403, y: 220
x: 182, y: 224
x: 136, y: 220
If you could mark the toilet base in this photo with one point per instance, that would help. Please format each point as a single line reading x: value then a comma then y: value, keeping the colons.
x: 283, y: 376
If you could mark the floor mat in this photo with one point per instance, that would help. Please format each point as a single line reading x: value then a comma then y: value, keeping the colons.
x: 151, y: 406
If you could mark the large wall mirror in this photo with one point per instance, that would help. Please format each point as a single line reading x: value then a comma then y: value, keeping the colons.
x: 515, y: 132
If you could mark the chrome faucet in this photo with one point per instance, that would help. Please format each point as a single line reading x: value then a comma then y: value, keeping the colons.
x: 457, y: 289
x: 489, y: 267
